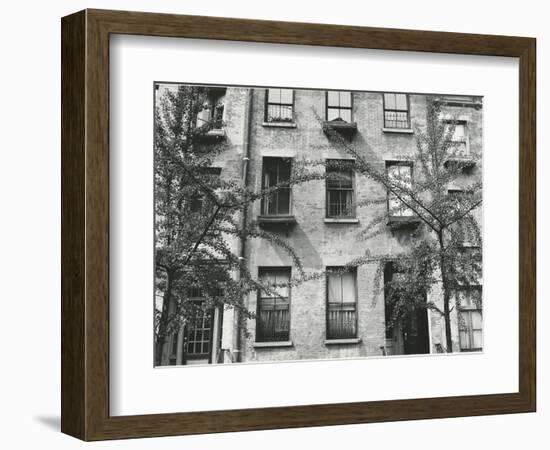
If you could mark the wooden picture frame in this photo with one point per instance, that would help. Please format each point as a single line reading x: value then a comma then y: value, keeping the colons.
x: 85, y: 224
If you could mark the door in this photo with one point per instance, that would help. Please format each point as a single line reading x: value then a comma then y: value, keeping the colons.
x: 202, y: 338
x: 416, y: 339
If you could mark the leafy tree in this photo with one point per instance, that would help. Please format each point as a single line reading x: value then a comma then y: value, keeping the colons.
x: 199, y: 218
x: 442, y: 221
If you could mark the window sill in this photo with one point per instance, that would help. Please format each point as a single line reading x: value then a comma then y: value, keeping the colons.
x: 460, y: 162
x: 287, y: 220
x: 347, y: 129
x: 341, y: 220
x: 273, y: 344
x: 342, y: 341
x: 215, y: 134
x: 404, y: 221
x: 398, y: 130
x: 471, y: 102
x: 279, y: 124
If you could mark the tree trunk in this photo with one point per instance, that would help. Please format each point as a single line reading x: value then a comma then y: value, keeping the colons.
x: 446, y: 295
x: 163, y: 323
x: 447, y: 316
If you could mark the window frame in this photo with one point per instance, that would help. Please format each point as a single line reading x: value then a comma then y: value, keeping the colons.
x: 464, y: 123
x: 212, y: 101
x: 353, y: 213
x: 464, y: 311
x: 350, y: 108
x: 185, y: 355
x: 258, y: 334
x: 407, y: 111
x: 353, y: 271
x: 267, y: 103
x: 263, y: 202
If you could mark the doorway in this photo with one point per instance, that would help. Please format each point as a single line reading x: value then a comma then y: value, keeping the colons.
x: 410, y: 335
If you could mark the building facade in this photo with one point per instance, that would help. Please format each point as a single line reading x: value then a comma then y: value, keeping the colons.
x: 267, y: 134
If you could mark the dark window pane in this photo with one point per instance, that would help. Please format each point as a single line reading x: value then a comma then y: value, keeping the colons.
x: 217, y: 119
x: 340, y: 191
x: 283, y: 206
x: 340, y: 204
x: 276, y: 174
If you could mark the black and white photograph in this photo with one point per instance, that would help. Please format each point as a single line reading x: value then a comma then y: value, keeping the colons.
x: 305, y: 224
x: 273, y: 225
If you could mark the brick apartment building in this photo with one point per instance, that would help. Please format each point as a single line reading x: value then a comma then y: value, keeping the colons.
x: 265, y: 132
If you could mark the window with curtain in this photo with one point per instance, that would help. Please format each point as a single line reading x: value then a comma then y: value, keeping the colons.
x: 470, y: 320
x: 273, y: 312
x: 275, y: 177
x: 340, y: 189
x: 279, y: 105
x: 396, y: 111
x: 400, y: 176
x: 339, y: 106
x: 341, y: 303
x: 459, y: 139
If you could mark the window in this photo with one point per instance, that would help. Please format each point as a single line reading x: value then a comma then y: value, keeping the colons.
x: 341, y: 303
x: 275, y: 177
x: 340, y: 189
x: 273, y: 317
x: 400, y: 177
x: 339, y: 106
x: 396, y: 111
x: 199, y: 336
x: 459, y: 140
x: 211, y: 114
x: 470, y: 320
x: 198, y: 333
x: 279, y: 106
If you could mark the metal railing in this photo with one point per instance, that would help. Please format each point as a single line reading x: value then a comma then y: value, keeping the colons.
x: 342, y: 321
x: 273, y: 325
x: 396, y: 119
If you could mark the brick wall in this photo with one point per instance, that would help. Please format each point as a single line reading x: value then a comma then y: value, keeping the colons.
x: 321, y: 244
